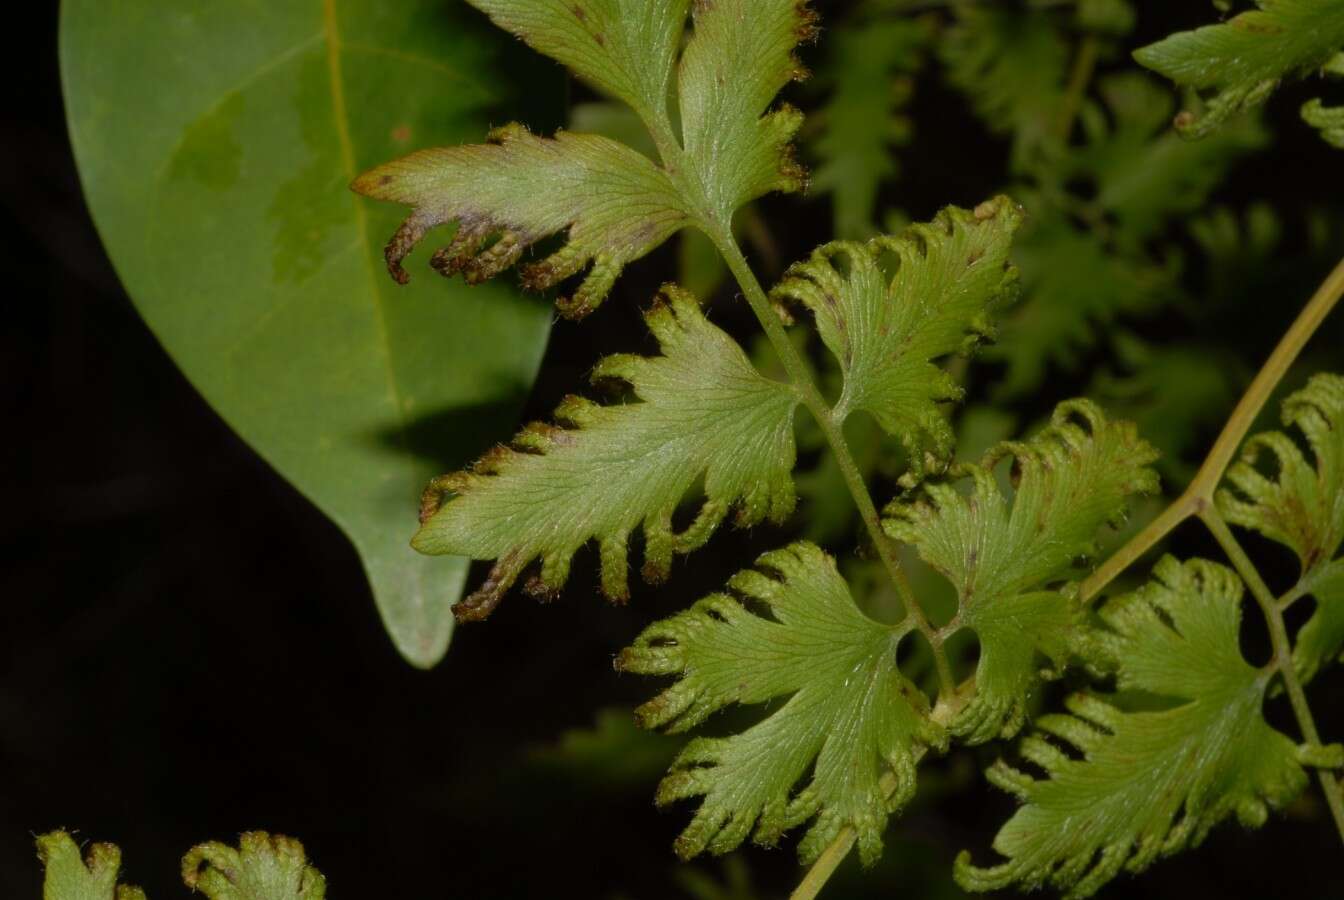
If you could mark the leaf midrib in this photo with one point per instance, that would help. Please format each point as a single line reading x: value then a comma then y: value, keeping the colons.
x: 341, y: 119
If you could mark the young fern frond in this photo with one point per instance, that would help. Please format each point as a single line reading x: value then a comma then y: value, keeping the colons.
x: 614, y: 204
x: 1149, y: 782
x: 263, y: 867
x: 1301, y: 507
x: 704, y: 411
x: 72, y: 875
x: 849, y: 717
x: 1242, y: 61
x: 1005, y: 557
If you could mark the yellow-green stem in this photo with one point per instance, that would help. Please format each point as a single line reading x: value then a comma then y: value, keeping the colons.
x: 801, y: 378
x: 1283, y: 652
x: 1197, y: 500
x: 1198, y: 496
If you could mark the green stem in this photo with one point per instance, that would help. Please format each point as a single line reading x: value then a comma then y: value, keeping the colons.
x: 836, y: 851
x: 1198, y: 496
x: 1197, y: 500
x: 1283, y: 652
x: 801, y: 378
x: 828, y: 862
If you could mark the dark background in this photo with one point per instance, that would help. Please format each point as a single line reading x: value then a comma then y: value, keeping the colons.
x: 188, y: 648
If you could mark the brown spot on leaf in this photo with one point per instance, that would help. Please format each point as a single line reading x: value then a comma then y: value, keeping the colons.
x: 401, y: 134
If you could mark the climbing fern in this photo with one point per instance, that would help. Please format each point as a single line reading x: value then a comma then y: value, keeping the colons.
x: 1162, y: 735
x: 1017, y: 533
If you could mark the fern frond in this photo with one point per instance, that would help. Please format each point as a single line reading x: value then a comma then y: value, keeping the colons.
x: 614, y: 204
x: 704, y: 412
x: 624, y: 48
x: 740, y: 55
x: 1301, y: 507
x: 263, y: 867
x: 1004, y: 556
x: 849, y: 716
x: 952, y: 276
x: 1077, y: 282
x: 71, y: 875
x: 1141, y: 785
x: 1242, y: 61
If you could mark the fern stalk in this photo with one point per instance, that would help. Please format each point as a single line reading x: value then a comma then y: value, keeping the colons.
x: 1283, y: 651
x: 816, y: 404
x: 1198, y: 496
x: 1197, y: 500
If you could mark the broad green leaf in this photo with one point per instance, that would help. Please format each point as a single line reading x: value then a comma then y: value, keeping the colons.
x: 1144, y: 784
x: 613, y: 203
x: 519, y: 188
x: 1004, y: 555
x: 847, y: 716
x: 625, y: 48
x: 1011, y: 64
x: 1302, y: 507
x: 71, y: 875
x: 1241, y: 61
x: 868, y: 68
x: 704, y: 413
x: 263, y: 867
x: 888, y: 332
x: 215, y: 144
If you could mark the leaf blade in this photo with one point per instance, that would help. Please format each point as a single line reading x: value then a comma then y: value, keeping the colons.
x: 615, y: 208
x: 952, y: 275
x: 265, y: 299
x: 1243, y: 60
x: 1149, y: 783
x: 70, y: 875
x: 705, y: 411
x: 1301, y: 507
x: 1073, y: 478
x: 850, y: 716
x: 740, y: 56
